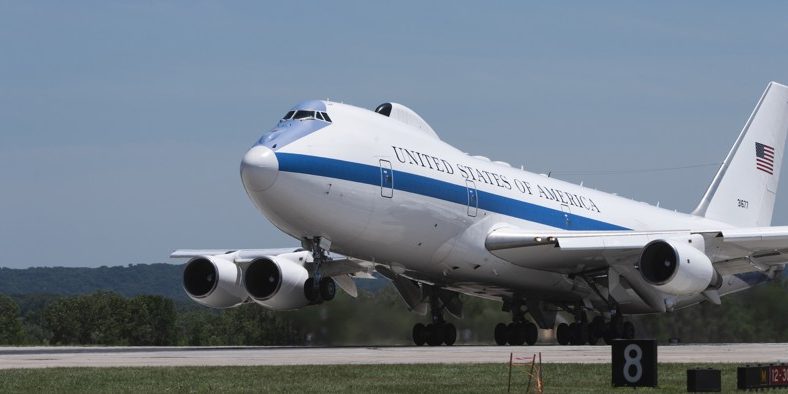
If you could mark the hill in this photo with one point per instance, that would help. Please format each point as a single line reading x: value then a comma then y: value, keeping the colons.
x: 134, y: 279
x: 131, y: 280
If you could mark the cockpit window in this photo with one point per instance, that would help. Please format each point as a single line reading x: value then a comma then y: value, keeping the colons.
x: 318, y: 115
x: 288, y: 115
x: 304, y: 115
x: 325, y: 117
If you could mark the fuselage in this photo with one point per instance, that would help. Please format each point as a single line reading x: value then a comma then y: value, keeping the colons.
x: 386, y: 192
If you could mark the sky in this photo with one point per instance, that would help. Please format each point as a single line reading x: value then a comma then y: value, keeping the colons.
x: 122, y: 124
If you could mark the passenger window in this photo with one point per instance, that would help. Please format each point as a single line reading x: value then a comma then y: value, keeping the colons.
x: 325, y: 116
x: 304, y: 115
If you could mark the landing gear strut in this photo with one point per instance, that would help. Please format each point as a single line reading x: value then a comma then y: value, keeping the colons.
x: 439, y: 331
x: 520, y: 331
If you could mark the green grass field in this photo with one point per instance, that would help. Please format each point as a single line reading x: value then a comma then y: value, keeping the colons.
x: 434, y: 378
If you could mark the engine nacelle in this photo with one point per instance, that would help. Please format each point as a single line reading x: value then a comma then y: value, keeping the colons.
x: 277, y: 282
x: 677, y: 267
x: 214, y: 281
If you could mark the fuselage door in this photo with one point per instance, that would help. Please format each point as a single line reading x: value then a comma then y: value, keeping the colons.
x: 386, y: 179
x: 473, y: 198
x: 567, y: 216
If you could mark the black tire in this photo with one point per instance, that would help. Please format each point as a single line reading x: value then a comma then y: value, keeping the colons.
x: 434, y: 334
x: 628, y: 330
x: 328, y: 289
x: 562, y: 334
x: 419, y: 334
x: 579, y: 334
x: 598, y: 326
x: 614, y: 330
x: 531, y: 333
x: 501, y: 334
x: 596, y: 330
x: 311, y: 292
x: 449, y: 334
x: 516, y: 334
x: 573, y: 334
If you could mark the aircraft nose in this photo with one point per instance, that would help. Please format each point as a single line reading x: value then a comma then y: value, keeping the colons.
x: 259, y: 169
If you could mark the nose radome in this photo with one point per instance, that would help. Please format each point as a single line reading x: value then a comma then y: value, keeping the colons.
x: 259, y: 168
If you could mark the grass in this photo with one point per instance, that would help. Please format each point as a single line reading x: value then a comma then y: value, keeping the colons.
x: 433, y: 378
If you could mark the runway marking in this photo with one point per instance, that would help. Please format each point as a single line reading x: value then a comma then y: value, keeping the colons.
x: 44, y: 357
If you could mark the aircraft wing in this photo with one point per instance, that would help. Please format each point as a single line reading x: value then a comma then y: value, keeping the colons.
x: 731, y: 250
x: 340, y: 267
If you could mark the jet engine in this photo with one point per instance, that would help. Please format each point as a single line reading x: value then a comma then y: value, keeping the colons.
x: 214, y: 281
x: 676, y: 267
x: 277, y: 282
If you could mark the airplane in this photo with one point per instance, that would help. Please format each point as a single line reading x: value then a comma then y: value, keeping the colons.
x: 380, y: 192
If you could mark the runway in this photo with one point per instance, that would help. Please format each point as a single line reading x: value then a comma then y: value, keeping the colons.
x: 45, y: 357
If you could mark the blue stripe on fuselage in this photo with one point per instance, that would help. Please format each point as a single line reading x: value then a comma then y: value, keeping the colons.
x: 429, y: 187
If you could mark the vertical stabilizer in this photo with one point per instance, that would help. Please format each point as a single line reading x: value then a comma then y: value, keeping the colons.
x: 743, y: 191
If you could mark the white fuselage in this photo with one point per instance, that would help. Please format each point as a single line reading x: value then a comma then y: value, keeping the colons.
x: 387, y: 192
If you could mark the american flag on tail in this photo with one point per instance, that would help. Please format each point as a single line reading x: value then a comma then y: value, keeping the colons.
x: 764, y: 158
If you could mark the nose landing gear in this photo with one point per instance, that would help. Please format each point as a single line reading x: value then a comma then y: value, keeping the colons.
x: 318, y: 288
x: 317, y: 291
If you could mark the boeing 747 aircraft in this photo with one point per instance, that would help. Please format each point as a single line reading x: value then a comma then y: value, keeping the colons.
x: 379, y: 191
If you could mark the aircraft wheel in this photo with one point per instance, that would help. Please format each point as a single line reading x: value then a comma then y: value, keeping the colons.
x: 311, y: 292
x: 434, y: 334
x: 628, y: 330
x: 419, y: 334
x: 531, y: 333
x: 501, y: 335
x: 328, y: 289
x: 563, y: 334
x: 614, y: 330
x: 579, y: 333
x: 516, y: 334
x: 596, y: 330
x: 449, y: 334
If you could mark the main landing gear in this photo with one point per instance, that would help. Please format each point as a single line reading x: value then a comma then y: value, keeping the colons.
x: 520, y: 331
x: 580, y: 332
x: 439, y: 331
x: 317, y: 288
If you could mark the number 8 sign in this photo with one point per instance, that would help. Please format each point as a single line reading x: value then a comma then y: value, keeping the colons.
x: 634, y: 363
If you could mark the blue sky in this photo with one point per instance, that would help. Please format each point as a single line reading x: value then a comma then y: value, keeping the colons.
x: 122, y: 124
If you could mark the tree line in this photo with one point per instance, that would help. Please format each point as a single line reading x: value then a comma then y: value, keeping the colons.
x: 106, y: 318
x: 375, y: 318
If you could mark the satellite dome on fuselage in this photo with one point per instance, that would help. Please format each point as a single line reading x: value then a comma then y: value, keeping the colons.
x: 406, y: 115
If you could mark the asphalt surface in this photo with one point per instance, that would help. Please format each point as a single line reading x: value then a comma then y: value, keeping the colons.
x: 45, y: 357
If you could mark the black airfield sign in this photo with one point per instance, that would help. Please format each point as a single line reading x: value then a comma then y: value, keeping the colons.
x: 634, y: 363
